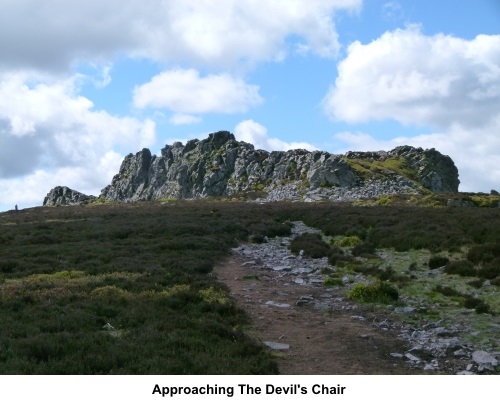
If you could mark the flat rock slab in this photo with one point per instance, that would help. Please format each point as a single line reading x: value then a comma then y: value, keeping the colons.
x: 484, y: 359
x: 277, y: 346
x: 277, y: 304
x: 282, y: 268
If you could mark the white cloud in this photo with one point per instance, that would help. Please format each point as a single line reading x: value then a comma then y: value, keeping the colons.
x: 50, y: 35
x: 476, y: 153
x: 449, y: 84
x: 49, y: 135
x: 184, y: 119
x: 392, y: 10
x: 256, y: 134
x: 404, y: 75
x: 184, y: 91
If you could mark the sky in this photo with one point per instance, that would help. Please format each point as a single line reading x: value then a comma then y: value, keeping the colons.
x: 84, y: 83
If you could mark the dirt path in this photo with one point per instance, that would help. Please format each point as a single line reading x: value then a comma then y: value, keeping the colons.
x: 321, y: 341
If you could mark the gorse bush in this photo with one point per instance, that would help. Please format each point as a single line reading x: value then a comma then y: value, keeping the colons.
x: 348, y: 241
x: 380, y: 292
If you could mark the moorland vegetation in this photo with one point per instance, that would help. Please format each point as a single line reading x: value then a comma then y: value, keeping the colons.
x: 128, y: 288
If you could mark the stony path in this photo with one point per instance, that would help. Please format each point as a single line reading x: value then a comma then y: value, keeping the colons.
x: 312, y: 329
x: 315, y: 330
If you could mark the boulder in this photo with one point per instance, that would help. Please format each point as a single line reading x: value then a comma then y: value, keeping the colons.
x: 61, y: 195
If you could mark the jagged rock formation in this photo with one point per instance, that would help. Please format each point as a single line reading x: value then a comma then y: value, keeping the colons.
x: 221, y: 166
x: 65, y: 196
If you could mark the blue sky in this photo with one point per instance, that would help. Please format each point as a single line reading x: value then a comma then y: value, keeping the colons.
x: 83, y: 84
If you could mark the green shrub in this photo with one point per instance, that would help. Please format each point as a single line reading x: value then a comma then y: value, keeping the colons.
x: 475, y: 303
x: 483, y: 253
x: 7, y: 266
x: 348, y: 241
x: 335, y: 258
x: 256, y: 238
x: 367, y: 269
x: 311, y: 244
x: 460, y: 267
x: 437, y: 261
x: 380, y: 292
x: 363, y: 249
x: 333, y: 281
x: 490, y: 270
x: 476, y: 283
x: 496, y: 281
x: 447, y: 291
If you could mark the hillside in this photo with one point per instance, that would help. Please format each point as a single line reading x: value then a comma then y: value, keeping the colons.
x: 220, y: 166
x: 129, y: 288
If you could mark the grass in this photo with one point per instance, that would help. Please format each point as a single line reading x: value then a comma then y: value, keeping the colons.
x: 145, y: 269
x: 380, y: 292
x: 381, y: 168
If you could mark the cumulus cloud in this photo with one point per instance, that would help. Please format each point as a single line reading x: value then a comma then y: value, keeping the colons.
x: 404, y: 75
x: 256, y: 134
x: 476, y: 153
x: 50, y: 35
x: 449, y: 84
x: 185, y: 92
x: 51, y: 134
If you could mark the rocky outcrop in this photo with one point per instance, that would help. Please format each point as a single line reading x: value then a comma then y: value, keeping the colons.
x: 65, y: 196
x: 221, y: 166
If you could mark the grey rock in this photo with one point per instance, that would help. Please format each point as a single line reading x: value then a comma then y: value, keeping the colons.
x: 277, y: 305
x: 304, y: 300
x: 411, y: 357
x: 321, y: 306
x: 282, y: 268
x: 484, y: 360
x: 302, y: 270
x: 460, y: 353
x: 277, y: 346
x: 396, y: 355
x: 429, y: 367
x: 460, y: 203
x: 465, y: 372
x: 221, y: 166
x: 61, y: 195
x: 405, y: 310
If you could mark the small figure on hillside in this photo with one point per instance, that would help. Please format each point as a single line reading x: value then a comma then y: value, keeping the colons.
x: 17, y: 208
